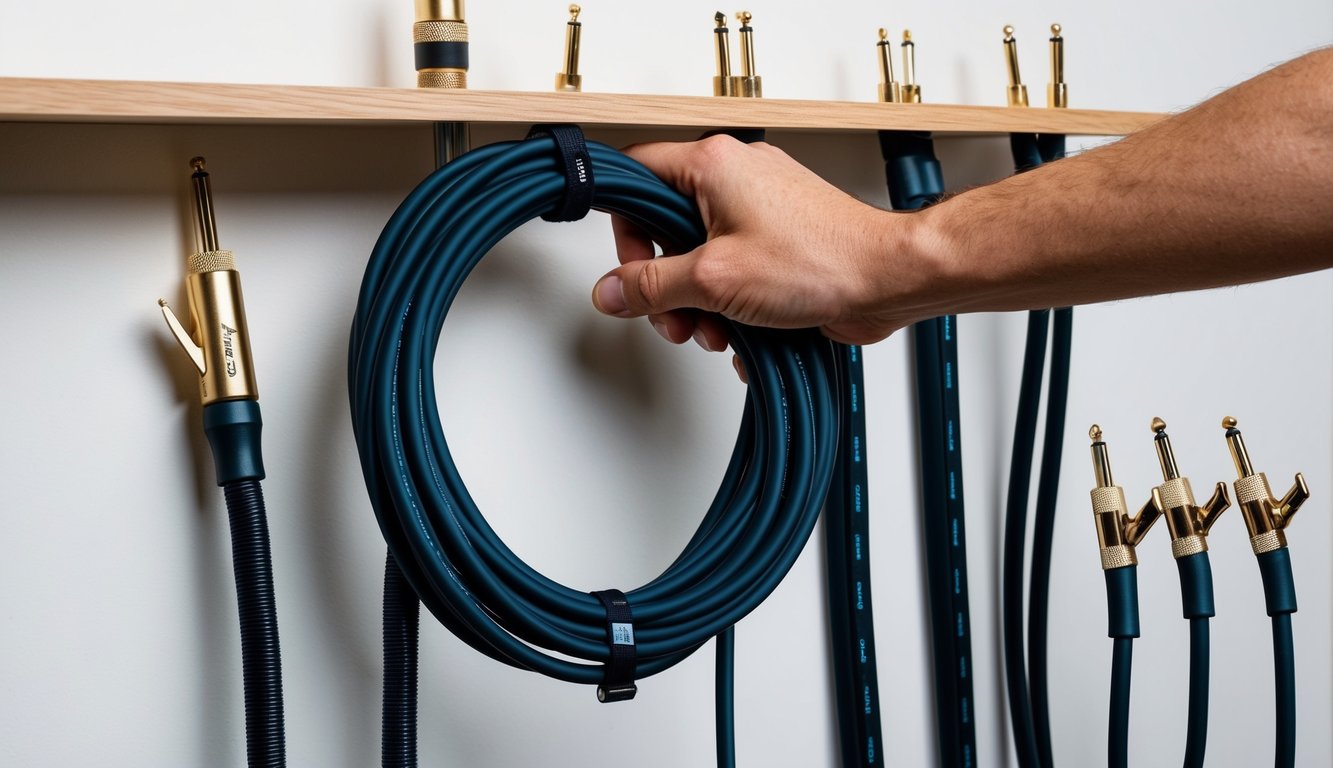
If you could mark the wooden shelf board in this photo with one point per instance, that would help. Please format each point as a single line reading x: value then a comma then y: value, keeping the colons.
x: 115, y: 101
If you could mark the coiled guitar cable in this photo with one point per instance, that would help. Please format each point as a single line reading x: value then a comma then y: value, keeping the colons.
x: 765, y: 509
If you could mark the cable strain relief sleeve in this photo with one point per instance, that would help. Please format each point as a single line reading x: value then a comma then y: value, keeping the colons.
x: 233, y: 428
x: 1122, y: 602
x: 1279, y: 585
x: 915, y: 177
x: 1196, y: 586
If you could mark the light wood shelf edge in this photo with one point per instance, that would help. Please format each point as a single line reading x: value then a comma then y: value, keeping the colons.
x: 116, y: 101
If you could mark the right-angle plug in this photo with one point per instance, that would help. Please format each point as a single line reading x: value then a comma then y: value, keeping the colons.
x: 1189, y: 523
x: 1017, y: 95
x: 1266, y: 517
x: 1118, y: 532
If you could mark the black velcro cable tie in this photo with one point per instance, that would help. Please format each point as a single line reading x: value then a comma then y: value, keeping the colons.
x: 618, y: 679
x: 577, y: 165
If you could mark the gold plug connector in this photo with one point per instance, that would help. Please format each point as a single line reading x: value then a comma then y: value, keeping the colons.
x: 439, y: 38
x: 722, y: 81
x: 889, y: 90
x: 220, y: 344
x: 1017, y: 93
x: 1189, y: 523
x: 747, y: 84
x: 1057, y: 92
x: 1266, y: 517
x: 910, y: 91
x: 1118, y: 532
x: 569, y: 78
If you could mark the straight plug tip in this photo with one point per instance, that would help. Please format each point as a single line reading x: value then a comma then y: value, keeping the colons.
x: 720, y: 19
x: 1008, y: 33
x: 574, y: 12
x: 197, y: 164
x: 1158, y: 426
x: 1095, y: 434
x: 1055, y: 30
x: 1229, y: 422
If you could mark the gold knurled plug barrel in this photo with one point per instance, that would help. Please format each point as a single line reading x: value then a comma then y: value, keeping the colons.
x: 1057, y: 92
x: 220, y: 344
x: 1266, y: 517
x: 1118, y: 532
x: 889, y: 90
x: 1189, y: 523
x: 569, y: 78
x: 1017, y: 94
x: 439, y: 40
x: 910, y: 91
x: 747, y: 84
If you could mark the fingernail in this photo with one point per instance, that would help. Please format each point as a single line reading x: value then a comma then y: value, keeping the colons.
x: 661, y: 329
x: 609, y: 296
x: 701, y: 339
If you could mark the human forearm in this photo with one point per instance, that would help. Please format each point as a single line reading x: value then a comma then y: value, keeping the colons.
x: 1235, y: 190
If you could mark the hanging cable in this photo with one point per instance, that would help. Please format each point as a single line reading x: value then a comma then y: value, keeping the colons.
x: 1118, y: 535
x: 220, y: 351
x: 915, y: 181
x: 749, y: 538
x: 1266, y: 519
x: 1027, y: 678
x: 1189, y: 525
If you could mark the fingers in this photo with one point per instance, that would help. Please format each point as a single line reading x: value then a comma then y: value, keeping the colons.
x: 653, y: 287
x: 632, y: 243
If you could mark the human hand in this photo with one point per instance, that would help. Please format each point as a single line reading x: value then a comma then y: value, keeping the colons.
x: 785, y: 249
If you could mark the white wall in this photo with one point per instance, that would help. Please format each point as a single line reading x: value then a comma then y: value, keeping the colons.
x: 118, y: 640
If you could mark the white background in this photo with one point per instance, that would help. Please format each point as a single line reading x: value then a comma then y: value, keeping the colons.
x: 117, y: 620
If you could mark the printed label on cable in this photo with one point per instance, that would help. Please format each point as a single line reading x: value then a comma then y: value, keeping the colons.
x: 622, y: 634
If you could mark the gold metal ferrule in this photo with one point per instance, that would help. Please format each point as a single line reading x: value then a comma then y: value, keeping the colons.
x: 220, y: 344
x: 1118, y: 532
x: 747, y: 84
x: 1188, y: 522
x: 1266, y: 517
x: 889, y: 90
x: 911, y: 92
x: 569, y: 79
x: 1057, y: 92
x: 440, y: 21
x: 722, y: 81
x: 1018, y: 93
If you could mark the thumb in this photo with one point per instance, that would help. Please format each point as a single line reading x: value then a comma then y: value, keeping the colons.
x: 651, y: 286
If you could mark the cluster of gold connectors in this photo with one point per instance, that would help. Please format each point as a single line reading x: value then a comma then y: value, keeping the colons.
x: 890, y: 90
x: 220, y: 344
x: 1057, y: 91
x: 747, y: 83
x: 1118, y: 532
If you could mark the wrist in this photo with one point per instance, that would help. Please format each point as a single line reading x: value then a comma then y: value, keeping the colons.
x: 913, y: 267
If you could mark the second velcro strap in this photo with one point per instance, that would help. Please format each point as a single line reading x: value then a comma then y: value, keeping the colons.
x: 618, y: 679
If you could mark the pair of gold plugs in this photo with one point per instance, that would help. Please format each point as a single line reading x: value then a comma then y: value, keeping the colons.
x: 1119, y: 532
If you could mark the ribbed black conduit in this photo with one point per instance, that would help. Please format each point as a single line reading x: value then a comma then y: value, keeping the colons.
x: 261, y: 662
x: 398, y: 724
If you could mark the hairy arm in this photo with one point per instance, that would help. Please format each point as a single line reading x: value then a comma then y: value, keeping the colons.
x: 1238, y: 189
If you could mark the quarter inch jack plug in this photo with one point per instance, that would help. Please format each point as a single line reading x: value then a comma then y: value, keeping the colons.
x: 1266, y: 517
x: 569, y: 78
x: 1189, y: 523
x: 1118, y: 532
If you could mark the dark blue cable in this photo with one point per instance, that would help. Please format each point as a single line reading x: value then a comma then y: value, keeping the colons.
x: 752, y: 533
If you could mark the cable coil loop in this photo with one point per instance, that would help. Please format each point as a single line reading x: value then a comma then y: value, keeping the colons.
x: 752, y: 533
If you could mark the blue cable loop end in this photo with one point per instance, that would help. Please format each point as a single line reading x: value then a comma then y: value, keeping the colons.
x: 575, y: 163
x: 1279, y: 584
x: 1122, y: 602
x: 233, y: 428
x: 1196, y: 586
x: 618, y: 679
